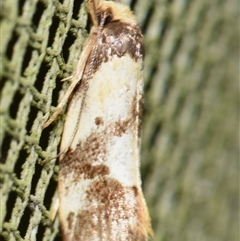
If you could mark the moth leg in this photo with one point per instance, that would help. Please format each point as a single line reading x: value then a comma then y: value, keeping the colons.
x: 54, y: 209
x: 67, y: 78
x: 92, y: 9
x: 76, y: 78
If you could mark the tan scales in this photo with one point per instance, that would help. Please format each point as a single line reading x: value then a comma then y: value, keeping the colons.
x: 99, y: 180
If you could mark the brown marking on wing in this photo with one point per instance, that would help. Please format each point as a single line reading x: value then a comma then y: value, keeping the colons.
x: 109, y: 213
x: 120, y: 127
x: 134, y: 119
x: 137, y: 111
x: 99, y: 121
x: 81, y: 161
x: 117, y: 38
x: 70, y: 220
x: 107, y: 204
x: 87, y: 160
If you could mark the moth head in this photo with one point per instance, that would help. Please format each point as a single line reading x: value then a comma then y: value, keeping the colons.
x: 113, y: 11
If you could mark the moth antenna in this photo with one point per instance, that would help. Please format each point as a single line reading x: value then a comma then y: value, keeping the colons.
x: 89, y: 74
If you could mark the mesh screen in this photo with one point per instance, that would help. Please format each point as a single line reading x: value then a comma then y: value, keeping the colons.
x: 190, y: 143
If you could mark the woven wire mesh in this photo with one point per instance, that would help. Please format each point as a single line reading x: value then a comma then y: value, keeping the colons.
x: 190, y: 143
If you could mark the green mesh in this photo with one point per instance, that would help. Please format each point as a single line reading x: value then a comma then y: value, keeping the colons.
x: 190, y: 146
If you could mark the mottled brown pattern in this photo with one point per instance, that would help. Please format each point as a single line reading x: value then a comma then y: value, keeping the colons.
x: 137, y: 110
x: 108, y: 210
x: 80, y: 161
x: 117, y: 38
x: 106, y: 203
x: 99, y: 121
x: 119, y: 127
x: 70, y: 220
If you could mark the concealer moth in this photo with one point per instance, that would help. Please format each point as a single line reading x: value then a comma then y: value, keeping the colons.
x: 99, y: 180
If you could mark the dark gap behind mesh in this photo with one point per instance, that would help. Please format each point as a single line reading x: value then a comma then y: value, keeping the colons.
x: 53, y: 30
x: 2, y: 82
x: 147, y: 84
x: 49, y: 193
x: 5, y: 147
x: 15, y: 104
x: 57, y: 89
x: 147, y: 19
x: 41, y: 230
x: 24, y: 222
x: 180, y: 105
x: 10, y: 46
x: 133, y: 4
x: 20, y: 6
x: 19, y: 163
x: 32, y: 116
x: 2, y: 238
x: 26, y: 59
x: 43, y: 142
x: 36, y: 178
x: 41, y: 76
x: 10, y: 205
x: 155, y: 133
x: 67, y: 44
x: 165, y: 26
x: 58, y: 237
x: 169, y: 85
x: 76, y: 8
x: 38, y: 13
x: 175, y: 49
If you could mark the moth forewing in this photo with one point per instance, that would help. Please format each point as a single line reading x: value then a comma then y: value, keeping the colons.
x: 99, y: 180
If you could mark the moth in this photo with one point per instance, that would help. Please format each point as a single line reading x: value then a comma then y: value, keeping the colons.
x: 99, y: 180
